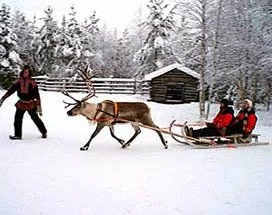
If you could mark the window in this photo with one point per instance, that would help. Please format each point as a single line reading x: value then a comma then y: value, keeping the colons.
x: 174, y: 92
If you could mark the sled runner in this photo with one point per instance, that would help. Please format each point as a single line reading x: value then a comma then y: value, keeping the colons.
x: 232, y: 141
x: 222, y: 142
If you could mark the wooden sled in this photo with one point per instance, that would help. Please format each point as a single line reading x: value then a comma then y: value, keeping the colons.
x: 231, y: 141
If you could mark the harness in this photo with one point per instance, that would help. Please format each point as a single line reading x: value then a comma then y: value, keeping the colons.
x: 100, y: 110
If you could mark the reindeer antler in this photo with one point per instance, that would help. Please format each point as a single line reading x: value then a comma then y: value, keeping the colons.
x: 86, y: 76
x: 64, y: 92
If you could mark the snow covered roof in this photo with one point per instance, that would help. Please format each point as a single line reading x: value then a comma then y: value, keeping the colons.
x: 166, y: 69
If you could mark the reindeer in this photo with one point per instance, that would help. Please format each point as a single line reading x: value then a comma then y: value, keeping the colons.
x: 108, y: 113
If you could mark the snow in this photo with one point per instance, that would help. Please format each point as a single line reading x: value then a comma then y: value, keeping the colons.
x: 52, y: 176
x: 14, y: 57
x: 166, y: 69
x: 158, y: 42
x: 4, y: 63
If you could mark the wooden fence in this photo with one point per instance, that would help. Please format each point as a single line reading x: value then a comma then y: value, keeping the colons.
x: 101, y: 85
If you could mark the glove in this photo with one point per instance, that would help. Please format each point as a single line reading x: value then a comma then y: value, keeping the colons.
x: 1, y: 102
x: 39, y: 110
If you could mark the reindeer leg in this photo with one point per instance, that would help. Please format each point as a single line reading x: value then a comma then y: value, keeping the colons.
x: 97, y: 130
x: 150, y: 123
x: 115, y: 137
x: 137, y: 132
x: 161, y: 137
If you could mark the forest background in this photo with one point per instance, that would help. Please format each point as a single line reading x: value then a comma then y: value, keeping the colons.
x: 228, y: 42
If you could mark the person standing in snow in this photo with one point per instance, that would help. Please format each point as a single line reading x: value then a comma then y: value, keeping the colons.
x: 245, y: 121
x: 218, y: 126
x: 28, y: 93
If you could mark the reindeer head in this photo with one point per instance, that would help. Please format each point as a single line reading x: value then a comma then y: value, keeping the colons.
x: 80, y: 105
x: 78, y: 109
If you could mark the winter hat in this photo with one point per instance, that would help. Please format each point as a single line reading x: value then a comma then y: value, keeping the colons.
x: 225, y: 102
x: 249, y: 102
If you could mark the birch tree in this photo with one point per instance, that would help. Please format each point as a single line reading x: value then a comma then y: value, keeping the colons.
x: 246, y: 44
x: 197, y: 14
x: 215, y: 39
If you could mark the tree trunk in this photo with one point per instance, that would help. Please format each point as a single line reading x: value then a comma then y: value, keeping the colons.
x: 215, y: 60
x: 203, y: 59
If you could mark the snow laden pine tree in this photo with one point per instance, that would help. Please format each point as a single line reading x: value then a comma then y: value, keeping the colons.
x: 156, y: 51
x: 70, y: 45
x: 124, y: 57
x: 90, y: 52
x: 26, y: 32
x: 9, y: 58
x: 74, y: 40
x: 62, y: 50
x: 45, y: 54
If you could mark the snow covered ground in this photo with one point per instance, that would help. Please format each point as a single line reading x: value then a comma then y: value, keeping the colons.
x: 52, y: 176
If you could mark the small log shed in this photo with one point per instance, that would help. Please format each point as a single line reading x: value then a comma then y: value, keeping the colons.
x: 173, y: 84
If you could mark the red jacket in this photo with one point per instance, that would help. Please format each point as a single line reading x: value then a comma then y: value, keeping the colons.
x: 248, y: 118
x: 224, y: 117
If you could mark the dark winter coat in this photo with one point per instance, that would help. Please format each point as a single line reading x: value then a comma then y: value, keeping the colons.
x: 27, y: 91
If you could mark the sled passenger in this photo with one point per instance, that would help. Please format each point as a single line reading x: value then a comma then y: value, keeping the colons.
x: 219, y: 124
x: 28, y: 93
x: 244, y: 122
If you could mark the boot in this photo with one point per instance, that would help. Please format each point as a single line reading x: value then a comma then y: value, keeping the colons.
x: 245, y: 140
x: 186, y: 130
x: 13, y: 137
x: 191, y: 132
